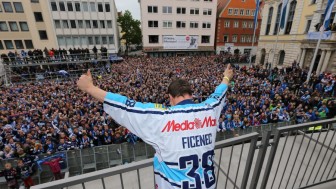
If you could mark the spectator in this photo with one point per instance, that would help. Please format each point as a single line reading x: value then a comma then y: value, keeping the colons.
x: 10, y: 175
x: 55, y: 167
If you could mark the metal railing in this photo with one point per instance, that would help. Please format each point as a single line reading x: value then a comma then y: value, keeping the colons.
x: 300, y: 156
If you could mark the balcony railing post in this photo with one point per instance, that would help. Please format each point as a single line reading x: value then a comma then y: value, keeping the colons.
x: 249, y: 161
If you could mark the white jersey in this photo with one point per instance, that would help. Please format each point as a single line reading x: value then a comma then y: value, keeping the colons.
x: 183, y: 136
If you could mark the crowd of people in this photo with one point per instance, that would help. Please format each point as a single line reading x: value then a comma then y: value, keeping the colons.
x: 51, y: 116
x: 53, y: 55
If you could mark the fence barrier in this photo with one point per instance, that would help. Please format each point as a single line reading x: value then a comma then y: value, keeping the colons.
x: 298, y: 157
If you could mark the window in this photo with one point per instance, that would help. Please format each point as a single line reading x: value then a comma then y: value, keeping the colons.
x: 230, y: 11
x: 90, y: 40
x: 61, y: 6
x: 102, y: 23
x: 0, y: 11
x: 153, y: 39
x: 24, y: 26
x: 109, y: 24
x: 34, y: 1
x: 205, y: 39
x: 236, y: 12
x: 277, y: 21
x: 236, y: 24
x: 97, y: 39
x: 8, y: 8
x: 111, y: 39
x: 38, y: 16
x: 13, y: 26
x: 153, y: 23
x: 43, y: 34
x: 107, y: 7
x: 247, y: 13
x: 193, y: 24
x: 1, y: 46
x: 234, y: 38
x: 3, y: 26
x: 249, y: 39
x: 194, y: 11
x: 87, y: 24
x: 93, y: 7
x: 308, y: 26
x: 69, y: 5
x: 252, y: 12
x: 242, y: 11
x: 207, y: 12
x: 282, y: 57
x: 85, y: 6
x: 68, y: 41
x: 243, y: 39
x: 181, y: 10
x: 208, y: 0
x: 53, y: 6
x: 18, y: 44
x: 227, y: 24
x: 152, y: 9
x: 76, y: 41
x: 250, y: 25
x: 104, y: 40
x: 84, y: 41
x: 29, y: 44
x: 206, y: 25
x: 313, y: 2
x: 180, y: 24
x: 94, y: 24
x: 167, y: 24
x: 226, y: 38
x: 77, y: 7
x: 9, y: 44
x: 73, y: 24
x: 290, y: 17
x: 244, y: 24
x: 167, y: 10
x: 100, y: 7
x: 18, y: 7
x: 80, y: 24
x: 65, y: 24
x: 269, y: 21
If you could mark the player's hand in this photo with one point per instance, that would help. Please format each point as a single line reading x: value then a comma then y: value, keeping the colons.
x: 85, y: 82
x: 228, y: 72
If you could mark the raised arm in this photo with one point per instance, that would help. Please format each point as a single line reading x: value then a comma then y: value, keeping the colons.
x: 85, y: 83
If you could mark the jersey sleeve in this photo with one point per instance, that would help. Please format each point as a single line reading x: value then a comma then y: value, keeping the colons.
x: 142, y: 119
x: 217, y: 99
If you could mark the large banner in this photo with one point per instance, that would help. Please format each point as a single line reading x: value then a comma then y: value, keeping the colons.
x: 317, y: 35
x: 180, y: 42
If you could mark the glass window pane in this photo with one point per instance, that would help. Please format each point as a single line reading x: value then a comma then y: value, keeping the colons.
x: 53, y: 6
x: 13, y: 26
x: 77, y: 6
x: 111, y: 39
x: 87, y: 24
x: 70, y: 7
x: 73, y: 24
x: 65, y: 24
x: 109, y: 24
x: 100, y: 7
x: 1, y: 45
x: 7, y: 6
x: 97, y: 39
x: 24, y: 26
x: 93, y: 6
x: 102, y: 24
x: 104, y: 40
x: 69, y: 41
x: 80, y: 24
x: 61, y: 41
x: 84, y: 41
x: 107, y: 7
x: 9, y: 44
x: 62, y: 6
x: 90, y: 40
x: 94, y: 23
x: 85, y: 6
x: 18, y: 6
x: 18, y: 44
x: 76, y: 41
x: 3, y: 26
x: 29, y: 44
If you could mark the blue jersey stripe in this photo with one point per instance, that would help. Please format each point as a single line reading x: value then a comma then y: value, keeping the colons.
x: 173, y: 184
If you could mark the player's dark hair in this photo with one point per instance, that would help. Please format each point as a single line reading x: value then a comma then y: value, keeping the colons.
x: 179, y: 87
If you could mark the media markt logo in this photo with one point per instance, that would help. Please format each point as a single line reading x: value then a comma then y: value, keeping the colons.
x: 172, y: 126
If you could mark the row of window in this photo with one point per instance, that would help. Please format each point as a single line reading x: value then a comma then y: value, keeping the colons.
x: 179, y: 24
x: 290, y: 19
x: 154, y: 39
x: 78, y: 7
x: 73, y: 24
x: 243, y: 39
x: 237, y: 24
x: 85, y: 40
x: 241, y: 12
x: 179, y: 10
x: 8, y: 7
x: 19, y: 44
x: 14, y: 26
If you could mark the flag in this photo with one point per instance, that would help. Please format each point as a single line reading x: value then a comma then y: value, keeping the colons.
x: 283, y: 13
x: 327, y: 13
x: 256, y: 14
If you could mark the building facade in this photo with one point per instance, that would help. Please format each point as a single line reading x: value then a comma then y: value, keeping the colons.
x: 85, y: 24
x: 178, y: 27
x: 25, y: 24
x: 235, y: 26
x: 292, y: 43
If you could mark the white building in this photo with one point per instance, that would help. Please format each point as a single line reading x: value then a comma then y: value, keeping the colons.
x: 85, y: 24
x: 178, y: 27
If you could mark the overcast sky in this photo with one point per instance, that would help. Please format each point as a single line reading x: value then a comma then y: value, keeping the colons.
x: 131, y: 5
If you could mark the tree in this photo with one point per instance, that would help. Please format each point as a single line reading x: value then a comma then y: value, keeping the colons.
x: 130, y: 28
